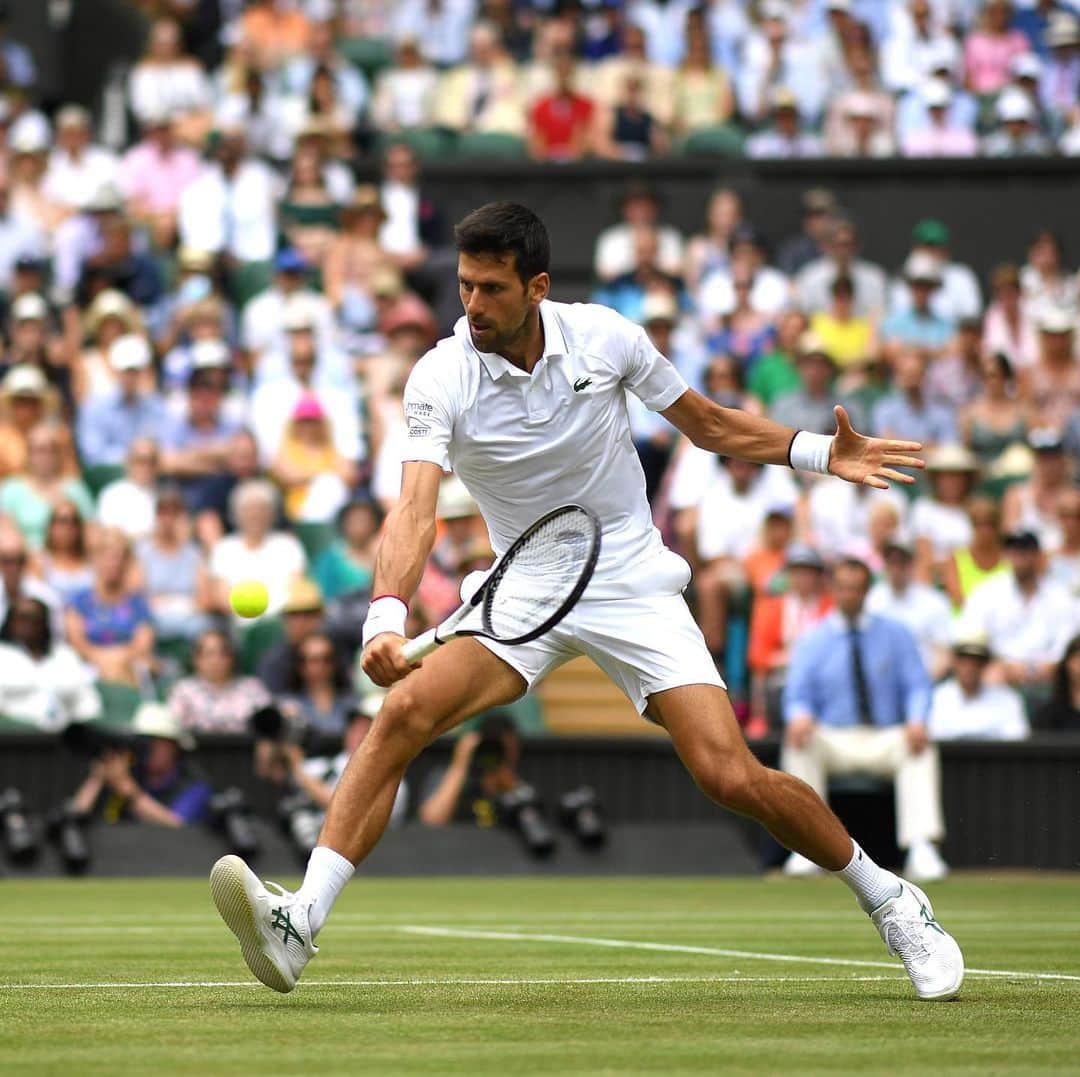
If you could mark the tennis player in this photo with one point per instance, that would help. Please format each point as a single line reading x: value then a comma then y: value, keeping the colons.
x: 525, y: 402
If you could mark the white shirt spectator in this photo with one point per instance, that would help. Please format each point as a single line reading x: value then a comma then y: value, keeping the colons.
x: 665, y: 28
x: 769, y: 294
x: 1020, y: 629
x: 814, y: 281
x: 130, y: 507
x: 172, y: 89
x: 74, y: 183
x: 404, y: 98
x: 49, y: 692
x: 802, y: 71
x: 400, y: 232
x: 729, y: 521
x: 924, y: 610
x: 958, y: 297
x: 995, y: 713
x: 32, y: 587
x: 262, y: 324
x: 442, y: 30
x: 17, y: 240
x: 615, y: 251
x: 840, y: 514
x: 272, y: 404
x: 947, y: 527
x: 237, y: 215
x: 276, y: 561
x: 776, y: 146
x: 907, y: 59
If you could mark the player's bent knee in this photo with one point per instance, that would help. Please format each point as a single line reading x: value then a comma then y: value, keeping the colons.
x: 405, y: 720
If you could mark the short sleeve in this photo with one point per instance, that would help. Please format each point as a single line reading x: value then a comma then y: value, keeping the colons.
x: 430, y: 409
x: 651, y: 377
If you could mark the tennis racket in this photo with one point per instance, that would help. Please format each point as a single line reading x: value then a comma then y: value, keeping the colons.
x: 530, y: 589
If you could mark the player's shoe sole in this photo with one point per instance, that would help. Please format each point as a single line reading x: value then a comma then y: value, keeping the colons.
x: 235, y: 890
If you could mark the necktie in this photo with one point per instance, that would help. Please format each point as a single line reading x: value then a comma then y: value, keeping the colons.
x: 858, y: 675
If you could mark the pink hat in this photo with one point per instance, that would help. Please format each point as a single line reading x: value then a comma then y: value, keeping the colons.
x: 308, y: 407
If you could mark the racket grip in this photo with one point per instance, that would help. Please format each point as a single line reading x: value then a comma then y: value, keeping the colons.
x: 421, y: 647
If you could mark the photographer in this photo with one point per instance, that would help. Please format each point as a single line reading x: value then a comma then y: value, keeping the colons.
x: 483, y: 768
x: 148, y: 780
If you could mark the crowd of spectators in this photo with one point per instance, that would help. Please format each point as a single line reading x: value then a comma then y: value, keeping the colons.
x: 207, y: 331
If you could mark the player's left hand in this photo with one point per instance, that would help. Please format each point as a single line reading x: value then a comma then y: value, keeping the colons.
x: 870, y: 461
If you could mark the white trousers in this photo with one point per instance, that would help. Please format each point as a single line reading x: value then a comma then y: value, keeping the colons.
x: 882, y: 753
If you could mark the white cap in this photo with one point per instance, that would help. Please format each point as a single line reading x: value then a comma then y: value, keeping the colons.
x: 936, y: 93
x: 130, y: 352
x: 837, y: 5
x: 659, y: 306
x: 1026, y: 65
x: 298, y: 315
x: 1054, y: 318
x: 30, y: 133
x: 1014, y: 106
x: 921, y: 265
x: 24, y: 380
x: 30, y: 307
x: 209, y: 354
x: 774, y: 9
x: 72, y: 116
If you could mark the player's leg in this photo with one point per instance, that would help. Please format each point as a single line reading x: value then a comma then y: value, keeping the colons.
x: 706, y: 735
x: 276, y: 932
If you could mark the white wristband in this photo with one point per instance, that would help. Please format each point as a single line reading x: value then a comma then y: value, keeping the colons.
x: 810, y: 452
x: 386, y: 614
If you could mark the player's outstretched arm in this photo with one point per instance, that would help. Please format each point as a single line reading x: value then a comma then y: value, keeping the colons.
x: 406, y: 541
x: 850, y: 455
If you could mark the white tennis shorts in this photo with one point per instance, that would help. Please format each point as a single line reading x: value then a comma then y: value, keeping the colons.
x: 645, y: 644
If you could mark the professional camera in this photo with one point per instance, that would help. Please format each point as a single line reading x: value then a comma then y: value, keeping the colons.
x: 21, y: 832
x: 271, y: 723
x: 92, y: 741
x: 230, y: 814
x: 301, y: 819
x: 580, y: 813
x: 522, y: 809
x: 67, y: 829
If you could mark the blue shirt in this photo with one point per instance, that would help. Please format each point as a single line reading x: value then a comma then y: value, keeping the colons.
x: 896, y: 416
x: 920, y: 330
x: 109, y: 424
x: 821, y: 680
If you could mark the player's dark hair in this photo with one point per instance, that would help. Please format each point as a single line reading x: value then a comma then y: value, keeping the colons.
x: 502, y: 228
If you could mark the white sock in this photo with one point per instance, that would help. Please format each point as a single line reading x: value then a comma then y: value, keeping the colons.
x: 325, y: 878
x: 873, y: 885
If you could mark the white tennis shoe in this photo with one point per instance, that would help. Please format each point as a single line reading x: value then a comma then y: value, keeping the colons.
x: 930, y: 954
x: 272, y: 928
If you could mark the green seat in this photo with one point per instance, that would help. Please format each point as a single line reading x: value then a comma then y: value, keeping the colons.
x: 370, y: 54
x: 176, y: 648
x: 257, y: 640
x: 248, y: 279
x: 724, y: 140
x: 119, y: 702
x: 491, y: 144
x: 98, y: 476
x: 314, y: 537
x: 428, y: 143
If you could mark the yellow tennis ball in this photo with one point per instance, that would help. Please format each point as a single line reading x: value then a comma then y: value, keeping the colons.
x: 249, y: 598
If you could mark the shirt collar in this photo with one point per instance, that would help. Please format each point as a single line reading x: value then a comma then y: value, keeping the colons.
x: 497, y: 366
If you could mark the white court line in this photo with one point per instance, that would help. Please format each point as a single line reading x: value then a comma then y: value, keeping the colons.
x: 589, y: 980
x: 708, y: 951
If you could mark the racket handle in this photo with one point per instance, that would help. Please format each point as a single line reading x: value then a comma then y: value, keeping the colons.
x: 421, y: 647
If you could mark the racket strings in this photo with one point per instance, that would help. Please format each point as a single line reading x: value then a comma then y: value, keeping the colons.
x: 540, y: 575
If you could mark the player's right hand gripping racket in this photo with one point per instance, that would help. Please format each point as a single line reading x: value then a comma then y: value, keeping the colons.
x: 531, y: 589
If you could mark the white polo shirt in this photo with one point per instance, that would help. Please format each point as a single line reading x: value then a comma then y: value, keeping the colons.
x: 524, y: 444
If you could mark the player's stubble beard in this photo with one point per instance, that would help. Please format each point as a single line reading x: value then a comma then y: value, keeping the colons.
x: 505, y: 340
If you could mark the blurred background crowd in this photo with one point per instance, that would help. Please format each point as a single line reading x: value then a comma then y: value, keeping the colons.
x: 208, y: 320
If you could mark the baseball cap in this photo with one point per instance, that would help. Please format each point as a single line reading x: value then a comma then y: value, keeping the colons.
x: 106, y: 199
x: 72, y: 116
x: 811, y: 343
x: 290, y: 260
x: 780, y: 508
x: 212, y: 354
x: 30, y: 307
x: 29, y: 134
x: 1021, y: 540
x: 1053, y: 318
x: 901, y: 545
x: 930, y: 233
x: 308, y: 407
x: 782, y: 98
x: 1062, y: 30
x: 659, y: 306
x: 971, y: 643
x: 921, y: 266
x: 24, y: 380
x: 194, y: 260
x: 936, y: 93
x: 303, y: 596
x: 1045, y: 439
x: 130, y: 352
x: 1026, y: 65
x: 801, y: 555
x: 1014, y: 106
